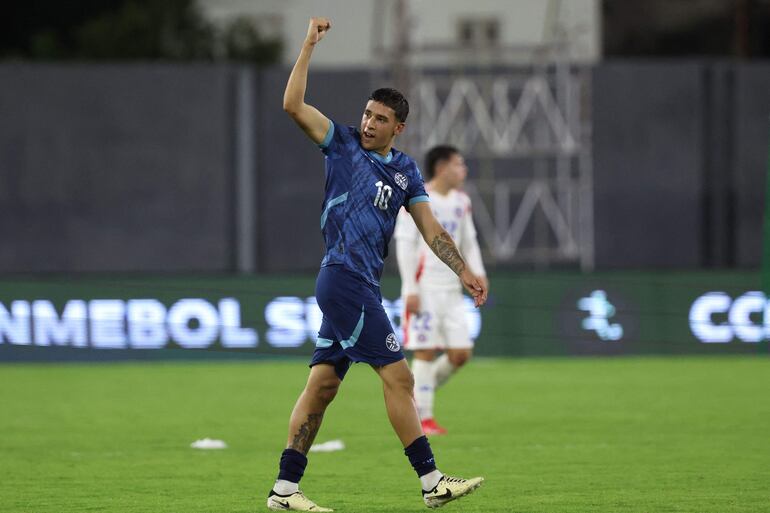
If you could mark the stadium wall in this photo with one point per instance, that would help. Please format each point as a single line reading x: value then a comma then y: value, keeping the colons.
x: 528, y: 314
x: 133, y: 167
x: 680, y: 152
x: 115, y: 167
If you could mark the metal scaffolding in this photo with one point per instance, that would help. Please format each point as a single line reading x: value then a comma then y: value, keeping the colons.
x: 522, y: 118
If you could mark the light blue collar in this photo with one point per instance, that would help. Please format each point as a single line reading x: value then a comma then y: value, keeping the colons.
x: 384, y: 160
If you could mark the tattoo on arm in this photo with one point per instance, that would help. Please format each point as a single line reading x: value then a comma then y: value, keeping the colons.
x: 306, y: 434
x: 444, y: 248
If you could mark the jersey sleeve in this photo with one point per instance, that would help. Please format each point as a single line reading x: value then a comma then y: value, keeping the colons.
x: 470, y: 244
x: 407, y: 252
x: 415, y: 191
x: 338, y: 139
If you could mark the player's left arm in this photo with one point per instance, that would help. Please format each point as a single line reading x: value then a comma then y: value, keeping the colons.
x: 445, y: 249
x: 469, y: 245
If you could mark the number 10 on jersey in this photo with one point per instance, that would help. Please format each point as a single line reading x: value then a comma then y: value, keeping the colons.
x: 384, y: 192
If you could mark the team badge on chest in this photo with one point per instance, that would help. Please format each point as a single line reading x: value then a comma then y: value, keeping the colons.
x: 401, y: 181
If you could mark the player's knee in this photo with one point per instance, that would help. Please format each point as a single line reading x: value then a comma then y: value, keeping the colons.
x: 459, y: 359
x: 402, y: 382
x: 408, y: 381
x: 326, y: 391
x: 427, y: 355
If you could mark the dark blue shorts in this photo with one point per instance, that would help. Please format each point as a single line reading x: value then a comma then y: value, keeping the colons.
x: 355, y: 327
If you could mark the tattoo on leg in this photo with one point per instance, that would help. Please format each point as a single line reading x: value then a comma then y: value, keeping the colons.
x: 444, y: 248
x: 306, y: 434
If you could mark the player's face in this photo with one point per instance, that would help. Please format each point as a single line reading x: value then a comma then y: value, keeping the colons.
x: 379, y: 126
x: 455, y: 170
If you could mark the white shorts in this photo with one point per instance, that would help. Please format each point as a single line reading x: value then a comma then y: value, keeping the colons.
x: 441, y: 323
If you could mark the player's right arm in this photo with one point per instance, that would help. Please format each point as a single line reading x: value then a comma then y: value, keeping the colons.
x: 408, y: 255
x: 309, y: 119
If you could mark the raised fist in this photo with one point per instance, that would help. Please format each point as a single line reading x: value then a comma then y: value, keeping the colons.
x: 317, y: 29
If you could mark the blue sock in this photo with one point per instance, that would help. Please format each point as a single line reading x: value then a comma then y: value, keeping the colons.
x: 292, y: 465
x: 421, y: 456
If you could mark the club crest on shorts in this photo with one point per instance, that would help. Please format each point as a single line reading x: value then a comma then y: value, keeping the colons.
x: 391, y: 342
x: 401, y: 181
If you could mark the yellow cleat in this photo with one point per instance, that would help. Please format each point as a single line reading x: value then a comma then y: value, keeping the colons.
x: 294, y: 502
x: 450, y: 488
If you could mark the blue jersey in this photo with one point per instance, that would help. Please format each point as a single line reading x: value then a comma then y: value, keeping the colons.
x: 364, y: 193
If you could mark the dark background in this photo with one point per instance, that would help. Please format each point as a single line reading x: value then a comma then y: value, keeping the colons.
x: 130, y: 168
x: 118, y: 127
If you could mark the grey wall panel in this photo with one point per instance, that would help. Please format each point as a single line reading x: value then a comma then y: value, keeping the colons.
x: 130, y: 167
x: 291, y: 180
x: 752, y: 151
x: 114, y: 168
x: 647, y: 158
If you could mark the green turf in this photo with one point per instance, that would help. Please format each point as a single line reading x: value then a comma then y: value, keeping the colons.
x: 549, y: 435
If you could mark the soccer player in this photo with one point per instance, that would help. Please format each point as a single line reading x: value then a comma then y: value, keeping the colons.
x: 367, y: 183
x: 433, y: 302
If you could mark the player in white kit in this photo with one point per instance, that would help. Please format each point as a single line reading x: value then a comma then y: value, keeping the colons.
x: 434, y: 318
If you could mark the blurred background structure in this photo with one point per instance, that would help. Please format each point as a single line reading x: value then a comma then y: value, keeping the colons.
x: 147, y: 136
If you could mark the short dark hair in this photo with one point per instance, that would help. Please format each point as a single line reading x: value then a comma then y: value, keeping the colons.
x: 393, y: 99
x: 438, y: 154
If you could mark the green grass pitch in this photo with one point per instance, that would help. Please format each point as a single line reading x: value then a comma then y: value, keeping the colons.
x: 550, y: 435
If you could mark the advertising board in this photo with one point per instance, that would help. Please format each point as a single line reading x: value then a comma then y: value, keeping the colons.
x: 556, y: 313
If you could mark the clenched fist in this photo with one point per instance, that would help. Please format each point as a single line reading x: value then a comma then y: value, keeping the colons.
x: 317, y: 30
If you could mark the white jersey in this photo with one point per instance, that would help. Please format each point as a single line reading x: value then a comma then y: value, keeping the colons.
x: 418, y: 265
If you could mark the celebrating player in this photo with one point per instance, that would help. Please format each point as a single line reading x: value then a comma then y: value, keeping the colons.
x: 367, y: 183
x: 435, y: 312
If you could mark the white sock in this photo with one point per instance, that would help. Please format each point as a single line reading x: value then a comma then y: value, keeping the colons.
x: 442, y: 370
x: 284, y: 487
x: 424, y: 387
x: 430, y: 480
